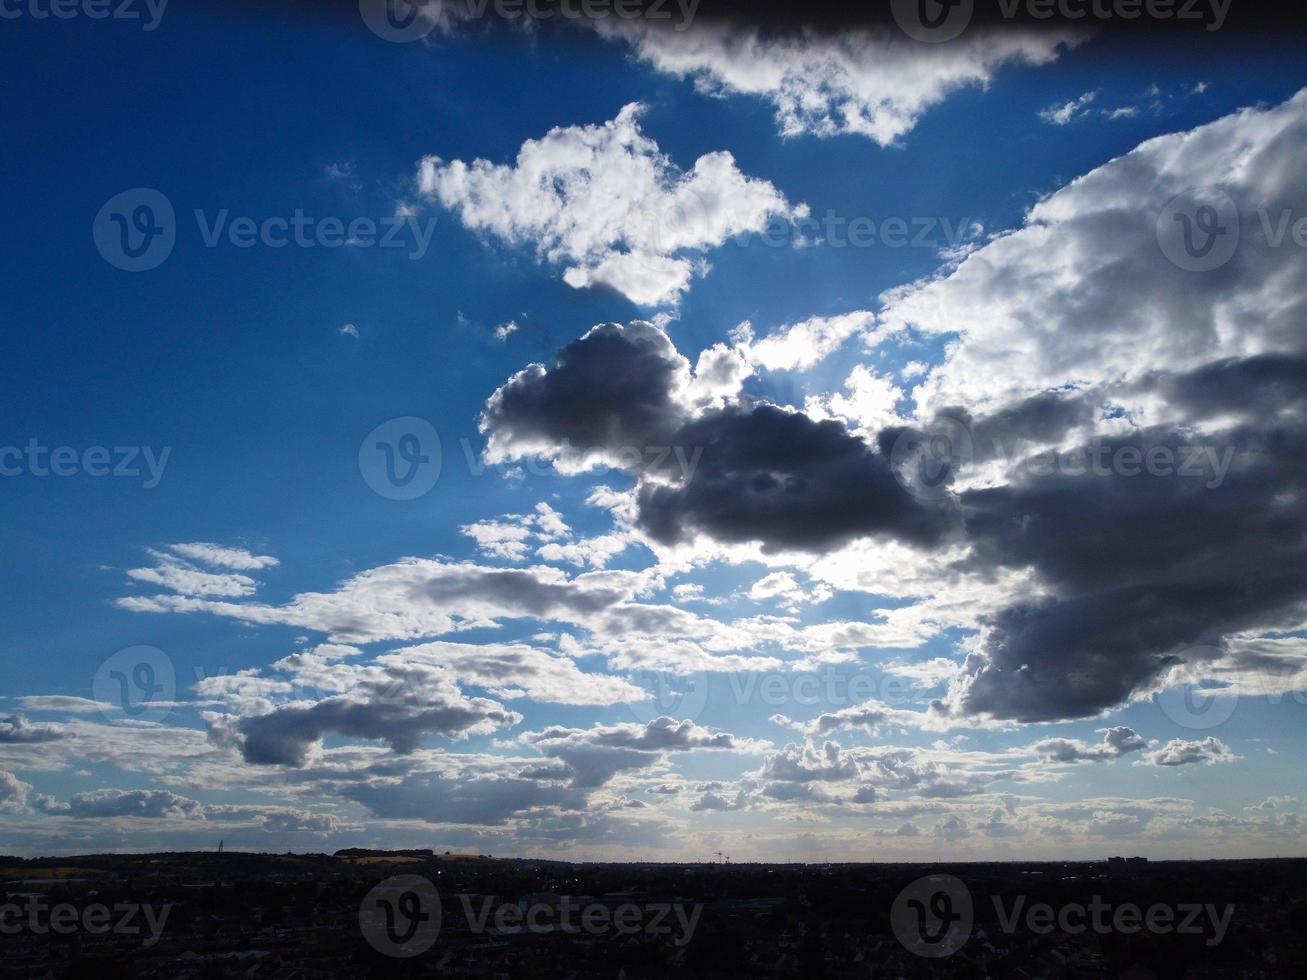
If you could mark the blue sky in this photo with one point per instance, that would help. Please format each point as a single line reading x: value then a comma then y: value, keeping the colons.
x: 235, y: 360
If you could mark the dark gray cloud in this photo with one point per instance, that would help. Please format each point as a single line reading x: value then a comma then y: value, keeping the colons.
x: 594, y: 756
x: 488, y: 800
x: 1142, y: 567
x: 611, y: 389
x: 1255, y: 387
x: 1135, y: 566
x: 153, y: 804
x: 1041, y: 419
x: 789, y: 482
x: 762, y: 473
x: 399, y: 709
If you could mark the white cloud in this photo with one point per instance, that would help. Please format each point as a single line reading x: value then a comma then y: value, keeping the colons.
x: 13, y: 793
x: 609, y: 205
x: 1178, y: 752
x: 801, y: 345
x: 875, y: 85
x: 1060, y: 115
x: 1084, y: 295
x: 869, y: 400
x: 222, y: 557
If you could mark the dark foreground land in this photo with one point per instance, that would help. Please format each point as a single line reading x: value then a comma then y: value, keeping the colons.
x: 284, y: 916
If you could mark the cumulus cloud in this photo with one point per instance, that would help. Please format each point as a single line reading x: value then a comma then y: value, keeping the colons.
x: 760, y: 472
x: 17, y: 730
x: 779, y: 478
x: 1117, y: 741
x: 399, y: 705
x: 1077, y: 332
x: 615, y: 389
x: 1083, y: 295
x: 594, y: 756
x: 865, y: 83
x: 800, y: 346
x: 13, y: 793
x: 154, y: 804
x: 609, y: 205
x: 512, y: 536
x: 419, y: 597
x: 867, y: 716
x: 1221, y: 559
x: 1178, y: 752
x: 478, y: 798
x: 806, y: 764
